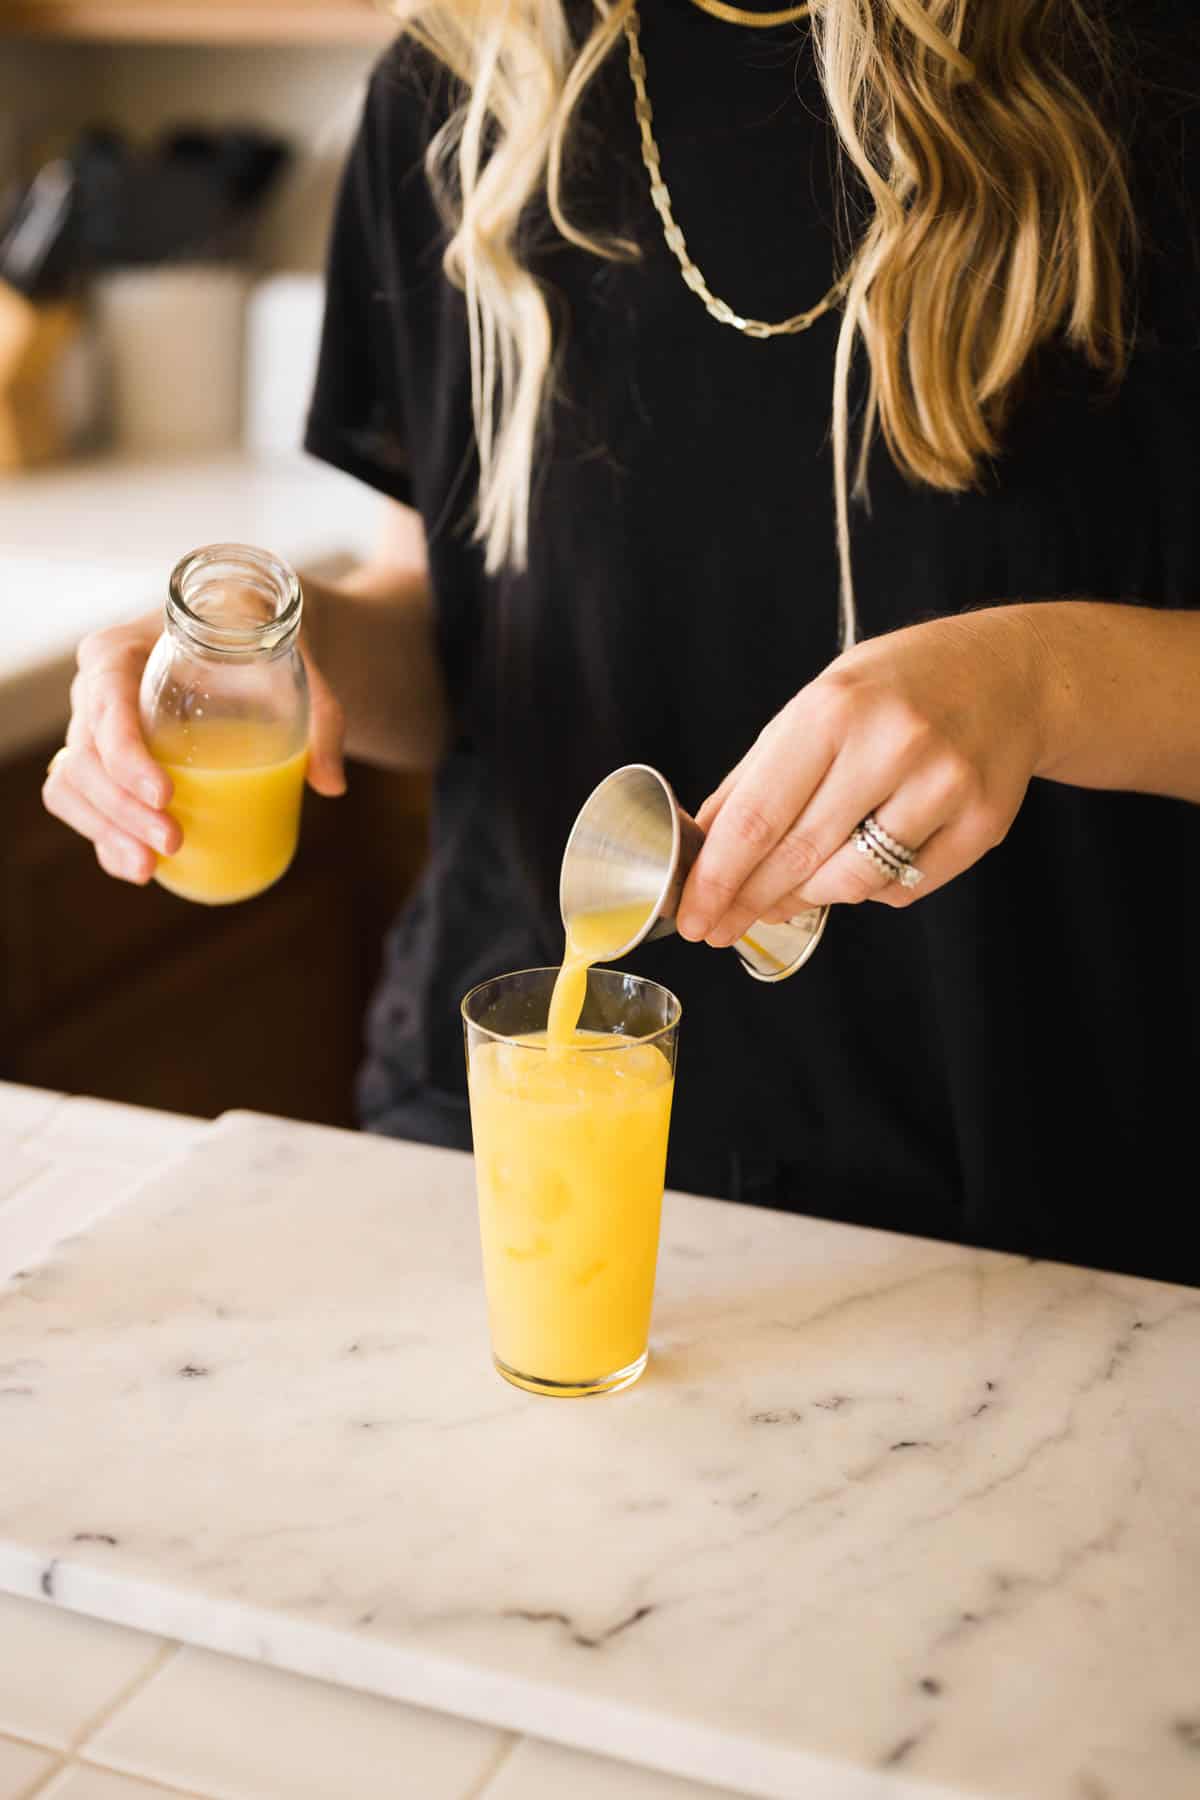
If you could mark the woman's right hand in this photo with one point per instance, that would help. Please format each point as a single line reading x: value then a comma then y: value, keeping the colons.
x: 106, y: 785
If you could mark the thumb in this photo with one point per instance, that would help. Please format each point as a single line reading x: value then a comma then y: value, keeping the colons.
x: 326, y: 770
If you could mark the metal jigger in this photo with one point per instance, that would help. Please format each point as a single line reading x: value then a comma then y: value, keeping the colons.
x: 633, y: 845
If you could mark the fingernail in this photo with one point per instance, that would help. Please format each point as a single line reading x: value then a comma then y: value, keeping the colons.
x: 150, y: 792
x: 329, y: 781
x: 161, y: 841
x: 690, y: 925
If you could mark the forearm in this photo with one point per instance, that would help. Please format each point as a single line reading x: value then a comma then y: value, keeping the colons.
x: 1120, y: 693
x: 371, y: 634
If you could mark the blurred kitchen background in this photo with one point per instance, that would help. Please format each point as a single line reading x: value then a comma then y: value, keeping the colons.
x: 167, y: 176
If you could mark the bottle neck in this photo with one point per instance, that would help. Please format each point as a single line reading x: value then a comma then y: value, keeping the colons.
x: 234, y: 602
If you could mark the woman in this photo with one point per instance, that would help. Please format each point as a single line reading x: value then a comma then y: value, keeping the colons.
x: 630, y: 553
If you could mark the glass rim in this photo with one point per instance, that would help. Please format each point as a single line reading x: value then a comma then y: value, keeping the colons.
x: 234, y: 640
x: 601, y: 1049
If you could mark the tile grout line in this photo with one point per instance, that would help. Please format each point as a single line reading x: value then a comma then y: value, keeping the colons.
x: 130, y: 1691
x: 27, y: 1743
x: 67, y: 1762
x: 136, y: 1781
x: 42, y: 1782
x: 481, y: 1789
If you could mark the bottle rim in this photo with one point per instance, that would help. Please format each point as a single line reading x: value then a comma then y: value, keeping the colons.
x: 261, y: 568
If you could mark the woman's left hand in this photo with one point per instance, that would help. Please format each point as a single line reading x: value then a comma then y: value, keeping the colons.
x: 935, y: 730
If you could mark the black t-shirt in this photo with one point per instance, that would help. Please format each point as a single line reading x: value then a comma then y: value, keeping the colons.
x: 1010, y: 1062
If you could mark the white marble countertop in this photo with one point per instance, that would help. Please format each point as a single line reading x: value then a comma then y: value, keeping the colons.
x: 886, y: 1519
x: 94, y: 1711
x: 91, y: 543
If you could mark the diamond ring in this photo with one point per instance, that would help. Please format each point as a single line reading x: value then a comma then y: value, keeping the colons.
x: 887, y: 854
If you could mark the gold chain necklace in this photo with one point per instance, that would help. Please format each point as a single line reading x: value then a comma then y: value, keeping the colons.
x: 659, y: 194
x: 737, y: 15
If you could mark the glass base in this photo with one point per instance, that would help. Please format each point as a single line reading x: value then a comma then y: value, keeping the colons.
x: 182, y: 891
x: 574, y: 1390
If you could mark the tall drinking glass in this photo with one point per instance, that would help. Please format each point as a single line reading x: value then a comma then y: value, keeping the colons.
x: 570, y: 1156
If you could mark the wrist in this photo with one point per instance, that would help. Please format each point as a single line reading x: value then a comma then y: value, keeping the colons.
x: 1049, y: 693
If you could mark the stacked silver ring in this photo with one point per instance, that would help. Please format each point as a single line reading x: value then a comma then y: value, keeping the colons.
x: 886, y: 853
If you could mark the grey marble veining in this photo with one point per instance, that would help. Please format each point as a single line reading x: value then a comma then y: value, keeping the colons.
x: 885, y: 1518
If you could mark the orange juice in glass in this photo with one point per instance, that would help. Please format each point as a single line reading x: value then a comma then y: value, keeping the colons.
x: 570, y: 1157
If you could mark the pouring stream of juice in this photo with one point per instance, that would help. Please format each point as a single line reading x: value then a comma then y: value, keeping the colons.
x: 591, y: 938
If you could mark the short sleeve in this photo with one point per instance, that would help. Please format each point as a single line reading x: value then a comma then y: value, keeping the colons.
x: 357, y: 421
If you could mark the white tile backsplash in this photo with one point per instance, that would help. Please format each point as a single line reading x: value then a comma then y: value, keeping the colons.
x: 22, y: 1769
x: 82, y: 1782
x: 235, y: 1731
x: 61, y: 1673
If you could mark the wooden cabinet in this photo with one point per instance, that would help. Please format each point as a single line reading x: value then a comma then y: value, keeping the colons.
x: 200, y: 21
x: 132, y: 994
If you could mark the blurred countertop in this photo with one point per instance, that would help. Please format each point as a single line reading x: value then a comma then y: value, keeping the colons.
x: 91, y: 543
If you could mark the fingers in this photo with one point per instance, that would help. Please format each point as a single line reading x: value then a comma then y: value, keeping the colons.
x: 716, y: 801
x: 944, y: 853
x: 939, y: 814
x: 797, y: 855
x: 899, y: 729
x: 326, y: 769
x: 104, y: 701
x: 82, y: 770
x: 761, y: 802
x: 848, y: 875
x: 853, y: 874
x: 950, y: 851
x: 117, y: 851
x: 816, y: 862
x: 764, y: 740
x: 122, y: 749
x: 818, y: 835
x: 107, y: 786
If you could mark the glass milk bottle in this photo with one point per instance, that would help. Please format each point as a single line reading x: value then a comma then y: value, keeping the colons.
x: 224, y: 709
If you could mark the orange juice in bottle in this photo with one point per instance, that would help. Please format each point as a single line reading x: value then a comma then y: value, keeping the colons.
x: 224, y: 706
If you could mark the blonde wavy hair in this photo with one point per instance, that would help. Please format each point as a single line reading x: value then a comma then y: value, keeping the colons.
x: 999, y: 220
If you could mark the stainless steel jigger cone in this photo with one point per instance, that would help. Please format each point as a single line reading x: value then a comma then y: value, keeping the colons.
x: 633, y: 845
